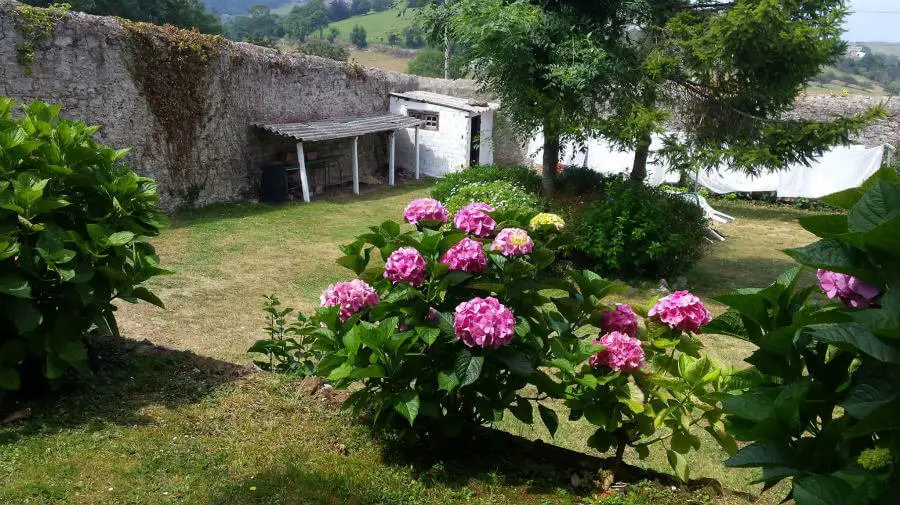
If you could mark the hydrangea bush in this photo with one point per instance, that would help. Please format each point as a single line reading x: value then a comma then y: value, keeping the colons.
x: 823, y: 409
x: 459, y: 329
x: 73, y: 228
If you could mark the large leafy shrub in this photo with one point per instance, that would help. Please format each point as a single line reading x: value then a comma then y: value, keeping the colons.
x: 633, y: 230
x: 824, y: 409
x: 71, y: 226
x: 504, y: 196
x: 578, y: 181
x: 436, y: 343
x: 522, y: 177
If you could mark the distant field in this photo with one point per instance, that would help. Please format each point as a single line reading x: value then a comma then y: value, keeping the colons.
x: 284, y: 9
x: 854, y: 84
x: 380, y: 60
x: 377, y: 24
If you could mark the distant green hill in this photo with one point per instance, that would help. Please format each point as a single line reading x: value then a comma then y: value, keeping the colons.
x: 891, y: 48
x: 239, y: 7
x: 377, y: 24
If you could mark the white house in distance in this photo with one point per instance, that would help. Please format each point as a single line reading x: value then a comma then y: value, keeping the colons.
x: 456, y: 132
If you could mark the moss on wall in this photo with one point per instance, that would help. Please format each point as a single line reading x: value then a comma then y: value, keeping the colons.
x: 172, y: 68
x: 36, y: 26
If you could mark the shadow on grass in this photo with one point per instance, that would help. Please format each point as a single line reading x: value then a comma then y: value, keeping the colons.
x: 717, y: 275
x: 239, y: 210
x: 127, y: 376
x: 541, y: 468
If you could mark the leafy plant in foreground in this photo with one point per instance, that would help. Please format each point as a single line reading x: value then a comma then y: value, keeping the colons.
x: 72, y: 219
x: 464, y: 324
x: 824, y: 409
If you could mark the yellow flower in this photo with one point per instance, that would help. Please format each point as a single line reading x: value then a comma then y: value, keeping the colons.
x: 545, y: 220
x: 252, y: 488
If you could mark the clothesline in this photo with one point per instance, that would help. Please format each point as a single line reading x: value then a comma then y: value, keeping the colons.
x: 837, y: 169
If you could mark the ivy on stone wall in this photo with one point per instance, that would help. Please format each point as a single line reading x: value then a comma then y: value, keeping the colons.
x: 172, y: 68
x: 36, y: 26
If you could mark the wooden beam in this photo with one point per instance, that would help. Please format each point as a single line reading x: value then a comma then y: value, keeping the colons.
x: 355, y: 165
x: 391, y: 162
x: 417, y: 153
x: 304, y: 182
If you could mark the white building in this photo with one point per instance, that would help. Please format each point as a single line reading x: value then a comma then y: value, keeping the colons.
x: 456, y: 132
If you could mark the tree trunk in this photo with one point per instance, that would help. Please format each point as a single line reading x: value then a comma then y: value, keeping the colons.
x: 446, y: 53
x: 639, y: 170
x: 551, y: 158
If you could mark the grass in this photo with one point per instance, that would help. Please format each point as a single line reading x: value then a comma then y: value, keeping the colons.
x: 183, y: 420
x: 380, y: 60
x: 376, y: 24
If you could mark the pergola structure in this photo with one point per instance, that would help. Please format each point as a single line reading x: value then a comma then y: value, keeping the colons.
x: 353, y: 127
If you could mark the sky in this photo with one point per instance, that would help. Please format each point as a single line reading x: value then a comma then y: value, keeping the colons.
x: 873, y: 21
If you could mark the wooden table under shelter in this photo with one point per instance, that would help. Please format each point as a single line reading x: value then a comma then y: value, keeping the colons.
x: 346, y: 128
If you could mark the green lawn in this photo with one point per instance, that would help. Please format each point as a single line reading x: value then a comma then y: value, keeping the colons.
x: 182, y: 419
x: 377, y: 24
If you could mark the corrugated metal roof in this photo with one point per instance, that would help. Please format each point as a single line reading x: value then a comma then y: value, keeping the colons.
x: 465, y: 104
x: 329, y: 129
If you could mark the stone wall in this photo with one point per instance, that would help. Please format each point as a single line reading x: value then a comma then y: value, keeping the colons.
x: 882, y: 131
x: 84, y: 66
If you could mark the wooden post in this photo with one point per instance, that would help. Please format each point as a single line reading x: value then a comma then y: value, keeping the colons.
x: 355, y: 165
x: 304, y: 182
x: 391, y: 163
x: 417, y: 153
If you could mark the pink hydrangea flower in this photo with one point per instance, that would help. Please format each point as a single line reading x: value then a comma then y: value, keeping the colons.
x: 852, y: 291
x: 681, y: 310
x: 473, y: 219
x: 425, y: 209
x: 467, y: 255
x: 513, y: 242
x: 484, y: 322
x: 352, y: 297
x: 622, y: 353
x: 622, y: 320
x: 405, y: 265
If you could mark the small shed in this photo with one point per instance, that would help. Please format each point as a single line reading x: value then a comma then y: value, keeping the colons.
x: 349, y: 129
x: 455, y: 132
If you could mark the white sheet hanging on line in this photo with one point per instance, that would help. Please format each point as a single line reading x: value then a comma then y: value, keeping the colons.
x: 836, y: 170
x: 722, y: 181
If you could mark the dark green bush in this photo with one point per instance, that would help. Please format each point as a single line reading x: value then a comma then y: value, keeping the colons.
x: 523, y: 177
x: 577, y: 181
x: 71, y: 222
x: 505, y: 197
x: 636, y: 231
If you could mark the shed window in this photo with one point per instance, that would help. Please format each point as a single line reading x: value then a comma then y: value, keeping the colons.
x: 431, y: 119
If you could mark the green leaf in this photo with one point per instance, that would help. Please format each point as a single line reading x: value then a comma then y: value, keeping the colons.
x: 120, y: 238
x: 827, y: 226
x: 760, y: 454
x: 522, y: 410
x: 678, y: 464
x: 428, y: 335
x: 729, y: 323
x: 142, y: 293
x: 516, y: 360
x: 598, y: 415
x: 447, y: 381
x: 407, y: 404
x: 550, y: 419
x: 9, y: 378
x: 468, y: 367
x: 868, y: 396
x: 15, y: 286
x: 26, y: 317
x: 853, y: 336
x: 878, y: 205
x: 823, y: 490
x: 835, y: 256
